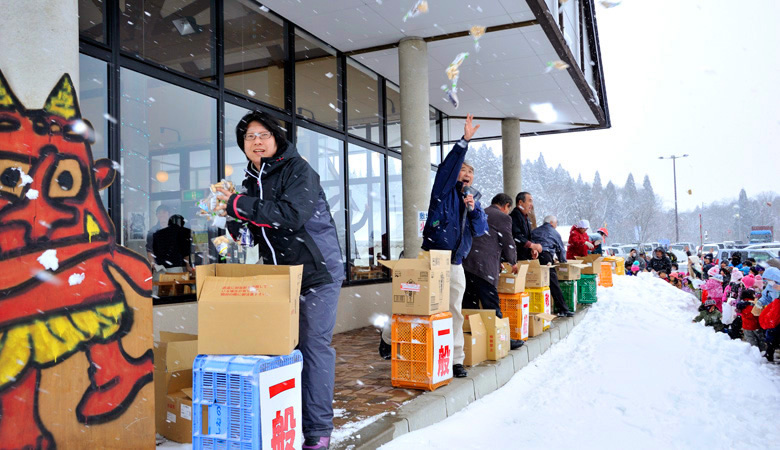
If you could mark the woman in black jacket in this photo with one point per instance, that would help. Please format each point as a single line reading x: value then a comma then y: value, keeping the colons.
x: 284, y: 207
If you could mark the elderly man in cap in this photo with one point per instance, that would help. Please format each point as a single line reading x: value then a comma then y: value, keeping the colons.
x: 552, y: 246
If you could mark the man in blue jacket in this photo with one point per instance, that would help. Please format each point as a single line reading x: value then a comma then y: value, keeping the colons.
x: 454, y: 219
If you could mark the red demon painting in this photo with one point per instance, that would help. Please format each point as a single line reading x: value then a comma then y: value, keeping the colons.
x: 64, y: 280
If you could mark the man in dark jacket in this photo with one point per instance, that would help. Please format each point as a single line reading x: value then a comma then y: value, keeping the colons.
x: 483, y: 263
x: 284, y: 206
x: 454, y: 219
x: 521, y: 228
x: 172, y: 246
x: 552, y: 245
x: 660, y: 262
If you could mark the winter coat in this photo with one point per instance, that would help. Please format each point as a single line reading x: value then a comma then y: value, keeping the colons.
x: 630, y: 262
x: 550, y: 240
x: 488, y: 250
x: 749, y: 321
x: 521, y: 232
x: 706, y: 269
x: 576, y: 246
x: 450, y: 225
x: 172, y: 246
x: 287, y: 213
x: 714, y: 291
x: 662, y: 264
x: 711, y: 319
x: 770, y: 316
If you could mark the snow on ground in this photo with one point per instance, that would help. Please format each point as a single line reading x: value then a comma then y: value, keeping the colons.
x: 635, y: 373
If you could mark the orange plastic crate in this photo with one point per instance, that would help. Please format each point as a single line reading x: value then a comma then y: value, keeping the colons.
x: 605, y: 279
x: 515, y: 307
x: 422, y: 351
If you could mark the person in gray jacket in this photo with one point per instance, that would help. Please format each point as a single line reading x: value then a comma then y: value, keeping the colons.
x: 483, y: 263
x: 552, y: 246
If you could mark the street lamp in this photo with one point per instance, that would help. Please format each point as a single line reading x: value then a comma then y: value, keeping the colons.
x: 674, y: 159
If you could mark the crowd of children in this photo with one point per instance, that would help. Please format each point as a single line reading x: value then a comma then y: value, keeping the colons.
x: 738, y: 298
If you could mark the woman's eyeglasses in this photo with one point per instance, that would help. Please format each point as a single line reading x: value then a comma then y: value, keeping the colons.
x: 252, y: 136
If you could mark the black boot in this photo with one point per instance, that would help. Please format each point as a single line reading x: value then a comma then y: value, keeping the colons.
x: 458, y: 371
x: 514, y: 344
x: 385, y: 350
x: 770, y: 353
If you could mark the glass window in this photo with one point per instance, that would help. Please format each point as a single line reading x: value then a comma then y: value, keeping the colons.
x: 93, y: 101
x: 316, y: 81
x: 326, y: 155
x: 363, y: 103
x: 254, y: 52
x: 435, y: 136
x: 176, y: 34
x: 367, y: 213
x: 168, y: 148
x: 91, y: 19
x: 393, y: 114
x: 395, y: 208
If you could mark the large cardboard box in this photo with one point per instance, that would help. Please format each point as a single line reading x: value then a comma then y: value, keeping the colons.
x: 497, y: 332
x: 248, y: 309
x: 593, y: 262
x: 541, y: 302
x: 173, y: 357
x: 569, y: 271
x: 538, y: 321
x: 537, y: 275
x: 421, y: 287
x: 474, y: 340
x: 509, y: 283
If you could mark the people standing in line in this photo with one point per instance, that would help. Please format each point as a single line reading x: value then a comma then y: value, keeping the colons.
x: 552, y: 247
x: 521, y: 228
x: 579, y: 241
x: 483, y: 263
x: 285, y: 208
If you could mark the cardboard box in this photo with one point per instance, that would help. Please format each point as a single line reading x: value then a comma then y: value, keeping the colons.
x: 248, y: 309
x: 474, y: 340
x: 541, y: 302
x: 593, y: 262
x: 569, y: 271
x: 537, y: 275
x: 421, y: 287
x: 177, y: 424
x: 173, y: 357
x: 497, y: 332
x: 509, y: 283
x: 538, y: 322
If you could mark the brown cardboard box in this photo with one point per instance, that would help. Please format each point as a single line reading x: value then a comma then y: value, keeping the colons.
x: 248, y: 309
x: 474, y: 340
x: 593, y: 262
x: 537, y: 275
x: 497, y: 332
x: 569, y: 271
x: 537, y: 323
x: 173, y: 357
x: 421, y: 287
x: 509, y: 283
x: 177, y: 424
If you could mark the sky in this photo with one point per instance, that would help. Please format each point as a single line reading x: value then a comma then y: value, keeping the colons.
x: 683, y: 76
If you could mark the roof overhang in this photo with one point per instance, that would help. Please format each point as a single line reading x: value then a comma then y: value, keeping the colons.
x: 505, y: 78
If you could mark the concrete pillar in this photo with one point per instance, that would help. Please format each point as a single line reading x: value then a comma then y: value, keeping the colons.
x: 415, y: 138
x: 510, y: 145
x: 40, y: 43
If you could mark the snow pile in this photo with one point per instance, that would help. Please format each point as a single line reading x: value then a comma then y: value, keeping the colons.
x: 636, y: 373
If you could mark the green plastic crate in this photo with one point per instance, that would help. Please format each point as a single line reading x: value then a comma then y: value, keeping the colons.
x: 569, y: 289
x: 586, y: 289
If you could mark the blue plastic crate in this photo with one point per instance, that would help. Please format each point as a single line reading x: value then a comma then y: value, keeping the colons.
x: 226, y: 390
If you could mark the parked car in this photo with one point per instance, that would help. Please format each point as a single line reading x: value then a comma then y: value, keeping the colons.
x: 710, y: 248
x: 614, y: 250
x: 727, y: 253
x: 683, y: 246
x: 764, y: 254
x: 764, y: 245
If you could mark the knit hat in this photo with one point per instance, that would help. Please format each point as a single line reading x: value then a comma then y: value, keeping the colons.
x: 758, y: 283
x: 709, y: 302
x: 635, y: 267
x: 717, y: 276
x: 748, y: 281
x: 736, y: 275
x: 714, y: 271
x: 584, y: 224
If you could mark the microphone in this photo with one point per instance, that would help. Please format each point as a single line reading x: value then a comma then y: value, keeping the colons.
x: 468, y: 190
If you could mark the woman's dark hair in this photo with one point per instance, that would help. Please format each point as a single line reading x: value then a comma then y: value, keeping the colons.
x: 265, y: 120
